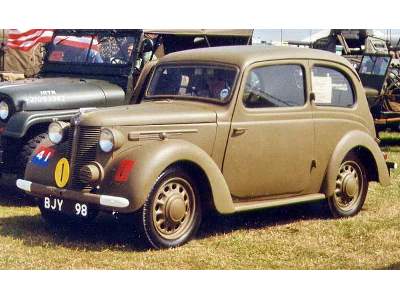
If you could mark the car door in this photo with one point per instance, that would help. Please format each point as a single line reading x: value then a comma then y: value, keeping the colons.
x: 270, y: 146
x: 333, y: 110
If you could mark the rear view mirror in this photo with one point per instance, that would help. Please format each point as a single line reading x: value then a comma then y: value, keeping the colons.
x: 147, y: 45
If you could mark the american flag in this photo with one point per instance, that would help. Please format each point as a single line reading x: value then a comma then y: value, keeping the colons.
x: 25, y: 40
x: 77, y: 42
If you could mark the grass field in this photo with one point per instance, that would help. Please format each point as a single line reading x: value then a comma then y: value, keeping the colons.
x: 295, y: 237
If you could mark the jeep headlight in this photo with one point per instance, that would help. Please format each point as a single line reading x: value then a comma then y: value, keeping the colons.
x: 58, y: 131
x: 110, y: 140
x: 4, y: 110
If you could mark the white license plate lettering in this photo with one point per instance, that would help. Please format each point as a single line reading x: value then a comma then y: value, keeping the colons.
x: 53, y: 204
x: 81, y: 210
x: 57, y: 205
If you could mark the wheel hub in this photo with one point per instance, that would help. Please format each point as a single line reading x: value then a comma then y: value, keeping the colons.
x: 176, y: 208
x: 173, y: 209
x: 350, y: 185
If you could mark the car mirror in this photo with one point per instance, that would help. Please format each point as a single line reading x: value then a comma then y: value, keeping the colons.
x: 147, y: 45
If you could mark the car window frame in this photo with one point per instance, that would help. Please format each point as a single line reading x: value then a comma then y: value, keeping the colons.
x: 199, y: 63
x: 303, y: 63
x: 344, y: 73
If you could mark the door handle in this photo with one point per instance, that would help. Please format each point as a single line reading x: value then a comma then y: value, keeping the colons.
x: 238, y: 131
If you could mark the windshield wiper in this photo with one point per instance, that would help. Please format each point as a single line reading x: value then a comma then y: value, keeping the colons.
x: 64, y: 39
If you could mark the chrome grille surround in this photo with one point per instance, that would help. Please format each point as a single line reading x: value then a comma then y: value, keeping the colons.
x: 82, y: 149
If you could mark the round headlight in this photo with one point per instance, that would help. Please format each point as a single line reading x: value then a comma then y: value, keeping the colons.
x: 107, y: 141
x: 57, y: 131
x: 4, y: 110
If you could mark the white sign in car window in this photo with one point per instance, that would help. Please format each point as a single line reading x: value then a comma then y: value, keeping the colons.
x: 322, y: 88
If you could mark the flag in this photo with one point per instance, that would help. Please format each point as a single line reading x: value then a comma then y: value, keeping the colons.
x: 25, y: 40
x: 82, y: 42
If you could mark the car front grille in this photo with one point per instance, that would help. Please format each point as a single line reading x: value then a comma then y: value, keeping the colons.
x: 82, y: 148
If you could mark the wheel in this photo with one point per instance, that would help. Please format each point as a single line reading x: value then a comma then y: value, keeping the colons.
x: 171, y: 214
x: 351, y: 188
x: 28, y: 149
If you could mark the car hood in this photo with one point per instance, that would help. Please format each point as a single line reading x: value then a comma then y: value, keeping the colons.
x: 150, y: 113
x: 60, y: 93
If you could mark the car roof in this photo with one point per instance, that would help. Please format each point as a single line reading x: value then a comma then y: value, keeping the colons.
x: 245, y: 55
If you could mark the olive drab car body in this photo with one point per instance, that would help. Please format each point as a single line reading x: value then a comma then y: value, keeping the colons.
x: 237, y: 154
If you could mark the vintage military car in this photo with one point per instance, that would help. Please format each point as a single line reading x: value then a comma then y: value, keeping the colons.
x: 225, y: 129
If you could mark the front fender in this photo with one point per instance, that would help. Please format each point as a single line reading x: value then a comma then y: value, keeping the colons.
x: 151, y: 159
x: 350, y: 141
x: 20, y: 122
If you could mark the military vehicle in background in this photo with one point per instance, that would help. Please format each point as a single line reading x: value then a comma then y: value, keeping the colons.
x: 84, y: 69
x: 168, y: 41
x: 377, y: 62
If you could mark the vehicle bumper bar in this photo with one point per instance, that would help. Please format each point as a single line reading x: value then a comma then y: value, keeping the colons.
x: 43, y: 190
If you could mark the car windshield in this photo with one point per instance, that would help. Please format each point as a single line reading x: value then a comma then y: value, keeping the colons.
x: 193, y: 81
x: 101, y: 48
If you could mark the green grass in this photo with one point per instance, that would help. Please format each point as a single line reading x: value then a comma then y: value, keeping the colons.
x: 294, y: 237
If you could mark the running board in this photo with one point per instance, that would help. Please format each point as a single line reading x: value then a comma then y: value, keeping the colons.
x: 251, y: 205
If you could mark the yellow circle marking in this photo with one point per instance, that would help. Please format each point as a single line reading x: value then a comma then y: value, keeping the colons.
x: 61, y: 174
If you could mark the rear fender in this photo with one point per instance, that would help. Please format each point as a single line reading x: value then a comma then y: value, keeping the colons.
x: 354, y: 141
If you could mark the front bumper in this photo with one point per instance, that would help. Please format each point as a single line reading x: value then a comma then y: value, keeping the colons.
x: 89, y: 198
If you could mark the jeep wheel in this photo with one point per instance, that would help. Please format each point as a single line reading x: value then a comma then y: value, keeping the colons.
x: 172, y: 212
x: 351, y: 188
x: 28, y: 149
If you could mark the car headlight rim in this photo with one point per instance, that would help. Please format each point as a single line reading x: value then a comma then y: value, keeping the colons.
x: 107, y: 140
x: 57, y: 132
x: 4, y: 110
x: 110, y: 140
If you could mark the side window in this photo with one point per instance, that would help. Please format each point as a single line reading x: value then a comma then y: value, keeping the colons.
x: 275, y: 86
x: 331, y: 87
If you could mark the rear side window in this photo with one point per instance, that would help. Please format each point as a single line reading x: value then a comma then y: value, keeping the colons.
x: 331, y: 87
x: 275, y: 86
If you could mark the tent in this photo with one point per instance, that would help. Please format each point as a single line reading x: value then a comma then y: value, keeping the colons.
x: 16, y: 64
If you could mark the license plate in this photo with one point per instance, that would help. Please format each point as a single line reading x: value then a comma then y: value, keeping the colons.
x: 62, y: 206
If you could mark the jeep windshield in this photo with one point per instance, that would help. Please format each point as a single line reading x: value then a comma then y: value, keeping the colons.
x: 194, y: 82
x: 99, y: 48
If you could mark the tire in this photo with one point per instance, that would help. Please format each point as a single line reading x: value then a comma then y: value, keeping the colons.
x: 28, y: 149
x: 351, y: 188
x: 22, y: 160
x: 171, y: 214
